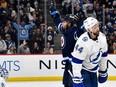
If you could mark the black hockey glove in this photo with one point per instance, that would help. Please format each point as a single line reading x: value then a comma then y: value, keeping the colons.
x: 77, y: 17
x: 103, y: 76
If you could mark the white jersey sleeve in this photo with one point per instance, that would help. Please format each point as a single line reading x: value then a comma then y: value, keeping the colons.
x: 79, y: 54
x: 80, y: 50
x: 103, y: 60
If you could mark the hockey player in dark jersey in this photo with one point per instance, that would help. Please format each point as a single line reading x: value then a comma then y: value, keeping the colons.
x: 70, y: 34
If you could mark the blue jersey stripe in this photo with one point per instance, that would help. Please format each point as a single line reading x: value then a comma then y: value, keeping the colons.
x: 60, y: 27
x: 93, y: 69
x: 54, y: 12
x: 76, y: 60
x: 105, y: 54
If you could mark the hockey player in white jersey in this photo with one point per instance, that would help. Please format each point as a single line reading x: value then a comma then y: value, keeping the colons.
x: 3, y: 77
x: 90, y: 56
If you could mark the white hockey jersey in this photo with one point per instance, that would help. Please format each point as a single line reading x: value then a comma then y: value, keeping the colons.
x: 90, y: 53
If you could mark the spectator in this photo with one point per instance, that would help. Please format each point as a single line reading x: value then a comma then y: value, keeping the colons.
x: 23, y: 48
x: 10, y: 13
x: 29, y: 9
x: 114, y: 5
x: 3, y: 3
x: 11, y: 30
x: 36, y: 37
x: 109, y: 27
x: 78, y: 8
x: 110, y: 40
x: 107, y: 3
x: 36, y: 49
x: 37, y: 10
x: 114, y: 17
x: 41, y: 20
x: 23, y: 2
x: 114, y: 27
x: 98, y: 11
x: 2, y: 46
x: 70, y: 7
x: 11, y: 50
x: 108, y: 19
x: 112, y: 48
x: 25, y: 17
x: 3, y: 16
x: 7, y: 14
x: 90, y: 12
x: 65, y: 5
x: 36, y: 20
x: 48, y: 49
x: 9, y: 41
x: 50, y: 36
x: 8, y: 29
x: 13, y: 4
x: 107, y: 12
x: 23, y: 28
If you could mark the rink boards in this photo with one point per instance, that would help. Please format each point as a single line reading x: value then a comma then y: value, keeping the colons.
x: 42, y: 67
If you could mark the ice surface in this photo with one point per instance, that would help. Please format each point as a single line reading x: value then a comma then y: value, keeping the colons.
x: 51, y: 84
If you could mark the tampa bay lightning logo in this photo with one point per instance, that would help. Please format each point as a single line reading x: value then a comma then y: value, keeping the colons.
x: 63, y: 41
x: 85, y: 39
x: 95, y: 57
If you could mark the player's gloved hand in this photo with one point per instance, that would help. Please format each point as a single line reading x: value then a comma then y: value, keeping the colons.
x: 77, y: 17
x: 78, y: 82
x: 102, y: 77
x: 53, y: 11
x: 67, y: 59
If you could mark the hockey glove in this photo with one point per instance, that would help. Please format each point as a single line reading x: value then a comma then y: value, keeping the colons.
x: 77, y: 17
x: 102, y: 77
x: 78, y: 82
x: 67, y: 59
x: 53, y: 11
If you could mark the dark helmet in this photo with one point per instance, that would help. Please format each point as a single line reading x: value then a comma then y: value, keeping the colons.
x: 69, y: 18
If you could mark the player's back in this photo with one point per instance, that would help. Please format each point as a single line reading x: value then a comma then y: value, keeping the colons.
x: 68, y: 40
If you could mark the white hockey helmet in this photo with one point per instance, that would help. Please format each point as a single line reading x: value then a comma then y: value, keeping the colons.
x: 3, y: 77
x: 2, y: 82
x: 89, y: 23
x: 4, y: 73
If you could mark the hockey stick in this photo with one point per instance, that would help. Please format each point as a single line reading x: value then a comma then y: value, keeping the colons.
x: 70, y: 73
